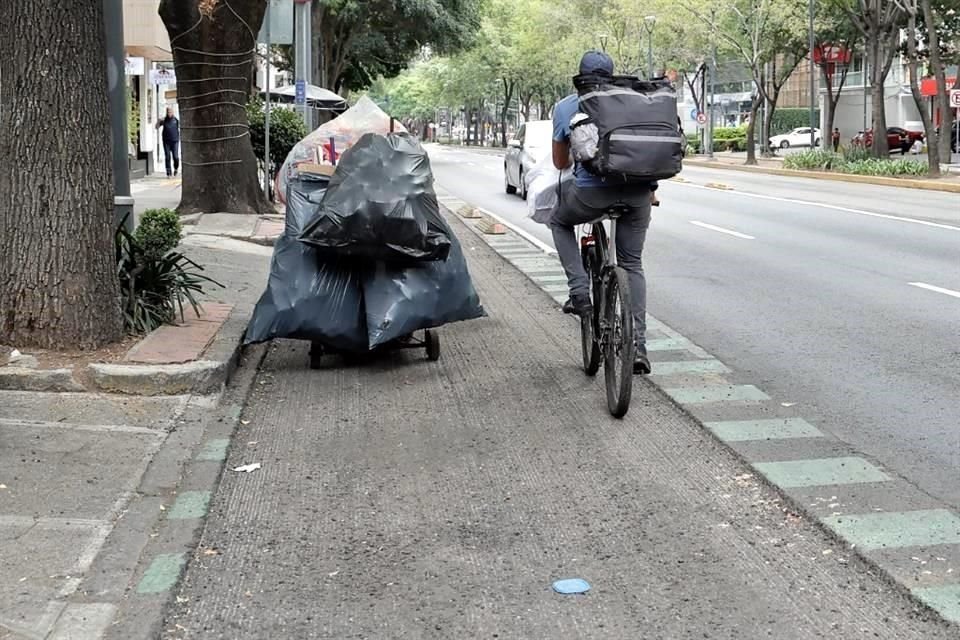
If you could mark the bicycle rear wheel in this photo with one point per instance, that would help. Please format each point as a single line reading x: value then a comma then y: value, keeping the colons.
x: 618, y: 346
x: 589, y: 338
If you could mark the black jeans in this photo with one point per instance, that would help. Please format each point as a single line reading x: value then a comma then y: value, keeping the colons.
x: 171, y: 151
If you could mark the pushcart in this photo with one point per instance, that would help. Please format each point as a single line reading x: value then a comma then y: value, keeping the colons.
x: 428, y: 340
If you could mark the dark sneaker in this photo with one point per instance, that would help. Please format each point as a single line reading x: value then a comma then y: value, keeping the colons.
x: 578, y: 305
x: 641, y: 363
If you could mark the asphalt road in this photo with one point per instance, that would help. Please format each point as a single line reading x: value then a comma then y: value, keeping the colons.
x: 842, y: 298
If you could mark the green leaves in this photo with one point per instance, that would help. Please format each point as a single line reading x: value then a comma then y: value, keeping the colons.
x: 153, y: 287
x: 286, y: 130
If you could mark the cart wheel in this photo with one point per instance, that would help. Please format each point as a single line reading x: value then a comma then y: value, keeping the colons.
x: 316, y: 355
x: 433, y: 345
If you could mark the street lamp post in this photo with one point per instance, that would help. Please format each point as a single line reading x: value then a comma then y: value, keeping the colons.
x: 648, y: 24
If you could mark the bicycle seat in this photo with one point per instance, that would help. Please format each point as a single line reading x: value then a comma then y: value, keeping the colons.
x: 615, y: 211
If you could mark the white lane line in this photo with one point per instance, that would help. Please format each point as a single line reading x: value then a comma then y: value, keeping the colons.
x: 834, y: 207
x: 930, y: 287
x: 735, y: 234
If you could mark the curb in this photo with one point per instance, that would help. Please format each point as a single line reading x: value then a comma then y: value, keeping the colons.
x: 192, y: 462
x: 27, y: 379
x: 904, y: 183
x: 911, y: 538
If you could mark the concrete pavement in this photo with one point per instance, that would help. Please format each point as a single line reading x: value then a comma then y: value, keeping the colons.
x: 399, y: 498
x: 95, y: 487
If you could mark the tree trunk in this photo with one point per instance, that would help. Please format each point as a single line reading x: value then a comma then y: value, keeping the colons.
x: 508, y: 86
x: 943, y: 97
x: 881, y: 53
x: 212, y: 44
x: 928, y: 128
x: 751, y: 128
x: 58, y: 287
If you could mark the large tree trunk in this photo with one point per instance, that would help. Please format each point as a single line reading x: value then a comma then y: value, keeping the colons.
x: 508, y: 86
x: 58, y: 287
x: 918, y: 98
x: 751, y: 128
x: 943, y: 96
x: 213, y: 44
x: 881, y: 54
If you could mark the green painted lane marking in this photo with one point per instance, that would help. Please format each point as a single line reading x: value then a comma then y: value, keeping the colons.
x: 668, y: 344
x: 898, y: 528
x: 162, y: 574
x: 774, y: 429
x: 945, y: 600
x: 689, y: 366
x: 720, y: 393
x: 551, y: 278
x: 190, y: 504
x: 214, y: 450
x: 820, y: 472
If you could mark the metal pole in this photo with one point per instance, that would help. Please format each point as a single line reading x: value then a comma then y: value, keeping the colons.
x: 266, y: 111
x: 302, y: 54
x: 713, y: 92
x: 117, y: 86
x: 813, y: 78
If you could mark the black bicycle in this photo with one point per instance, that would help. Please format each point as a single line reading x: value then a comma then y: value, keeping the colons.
x: 608, y: 333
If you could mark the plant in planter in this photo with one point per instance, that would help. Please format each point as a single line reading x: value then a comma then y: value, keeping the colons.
x: 155, y: 279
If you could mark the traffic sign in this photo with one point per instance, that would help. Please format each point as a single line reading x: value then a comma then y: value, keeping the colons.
x: 301, y: 95
x: 701, y: 118
x: 693, y: 113
x: 955, y: 98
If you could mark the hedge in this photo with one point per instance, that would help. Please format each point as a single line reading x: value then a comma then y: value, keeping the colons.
x: 787, y: 119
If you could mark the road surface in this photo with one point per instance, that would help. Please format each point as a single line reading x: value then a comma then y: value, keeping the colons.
x: 842, y: 298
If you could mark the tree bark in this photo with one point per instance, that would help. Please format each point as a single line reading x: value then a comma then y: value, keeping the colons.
x: 943, y: 97
x: 882, y: 54
x: 928, y: 128
x: 508, y: 86
x: 751, y: 128
x: 58, y: 284
x: 213, y: 44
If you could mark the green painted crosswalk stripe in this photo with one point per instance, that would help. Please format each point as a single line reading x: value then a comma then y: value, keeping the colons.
x: 718, y: 393
x: 820, y: 472
x: 162, y: 574
x: 897, y: 528
x: 770, y: 429
x: 190, y: 504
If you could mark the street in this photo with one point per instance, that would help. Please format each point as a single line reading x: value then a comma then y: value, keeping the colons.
x: 841, y: 298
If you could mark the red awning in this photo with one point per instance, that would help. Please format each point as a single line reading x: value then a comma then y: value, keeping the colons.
x: 928, y: 86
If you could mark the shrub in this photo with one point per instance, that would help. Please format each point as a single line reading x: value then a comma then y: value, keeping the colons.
x: 855, y: 153
x: 159, y: 231
x: 885, y: 167
x: 153, y: 286
x: 694, y: 144
x: 787, y: 119
x: 730, y: 133
x: 822, y: 160
x: 286, y: 130
x: 813, y: 160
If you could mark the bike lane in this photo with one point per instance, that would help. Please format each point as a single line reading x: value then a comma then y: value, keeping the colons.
x: 403, y: 498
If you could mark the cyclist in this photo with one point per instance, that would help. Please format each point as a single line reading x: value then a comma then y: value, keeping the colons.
x: 583, y: 200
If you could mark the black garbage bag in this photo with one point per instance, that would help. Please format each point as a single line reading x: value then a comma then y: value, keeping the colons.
x: 309, y: 297
x: 401, y: 300
x: 381, y: 205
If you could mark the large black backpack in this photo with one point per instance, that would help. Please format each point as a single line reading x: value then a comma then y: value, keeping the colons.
x: 638, y: 135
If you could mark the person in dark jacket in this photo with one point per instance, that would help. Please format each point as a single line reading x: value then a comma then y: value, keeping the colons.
x: 171, y: 142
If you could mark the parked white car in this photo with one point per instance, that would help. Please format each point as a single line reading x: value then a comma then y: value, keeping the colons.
x: 531, y: 144
x: 797, y: 138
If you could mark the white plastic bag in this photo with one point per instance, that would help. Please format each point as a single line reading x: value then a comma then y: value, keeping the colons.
x: 543, y: 190
x: 584, y: 138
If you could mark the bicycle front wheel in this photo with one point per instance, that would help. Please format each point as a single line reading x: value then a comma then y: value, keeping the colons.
x: 618, y: 347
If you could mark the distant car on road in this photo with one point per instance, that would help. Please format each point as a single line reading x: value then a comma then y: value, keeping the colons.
x: 799, y: 137
x: 531, y: 144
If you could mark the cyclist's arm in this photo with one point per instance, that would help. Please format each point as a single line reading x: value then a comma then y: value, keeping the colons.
x: 561, y: 155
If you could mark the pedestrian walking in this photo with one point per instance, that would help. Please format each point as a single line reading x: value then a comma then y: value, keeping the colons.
x: 171, y: 142
x: 836, y: 139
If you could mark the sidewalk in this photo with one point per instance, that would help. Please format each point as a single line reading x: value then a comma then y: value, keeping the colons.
x: 405, y: 499
x: 90, y: 481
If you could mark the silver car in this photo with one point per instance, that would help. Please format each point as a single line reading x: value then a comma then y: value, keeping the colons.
x: 532, y: 143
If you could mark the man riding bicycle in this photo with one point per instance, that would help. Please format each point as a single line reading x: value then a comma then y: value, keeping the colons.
x: 585, y: 199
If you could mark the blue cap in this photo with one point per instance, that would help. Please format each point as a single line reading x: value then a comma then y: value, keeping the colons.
x: 596, y: 62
